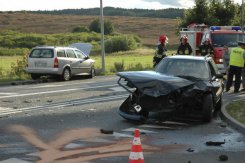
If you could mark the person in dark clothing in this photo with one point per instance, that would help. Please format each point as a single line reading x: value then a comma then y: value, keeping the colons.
x: 161, y: 50
x: 206, y: 48
x: 184, y: 48
x: 237, y: 57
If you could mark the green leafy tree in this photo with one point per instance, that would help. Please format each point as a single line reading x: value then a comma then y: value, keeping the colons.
x: 95, y: 26
x: 213, y: 12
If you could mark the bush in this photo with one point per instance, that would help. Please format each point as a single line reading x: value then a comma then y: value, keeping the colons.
x: 95, y: 26
x: 119, y: 66
x: 18, y: 70
x: 120, y: 43
x: 13, y: 52
x: 80, y: 29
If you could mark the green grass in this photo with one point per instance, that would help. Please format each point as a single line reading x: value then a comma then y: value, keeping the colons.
x: 237, y: 111
x: 6, y: 61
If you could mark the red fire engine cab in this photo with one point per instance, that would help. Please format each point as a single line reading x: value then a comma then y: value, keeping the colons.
x: 219, y: 36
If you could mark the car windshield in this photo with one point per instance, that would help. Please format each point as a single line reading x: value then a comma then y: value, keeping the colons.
x: 230, y: 40
x: 185, y: 68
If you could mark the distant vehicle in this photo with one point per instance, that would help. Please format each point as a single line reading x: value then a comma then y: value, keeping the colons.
x: 219, y: 36
x: 186, y: 84
x: 64, y: 62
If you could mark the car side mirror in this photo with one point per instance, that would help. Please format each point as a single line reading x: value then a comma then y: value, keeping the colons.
x: 87, y: 57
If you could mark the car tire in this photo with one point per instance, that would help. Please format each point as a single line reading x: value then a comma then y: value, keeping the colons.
x: 92, y: 73
x: 207, y: 108
x: 35, y: 76
x: 66, y: 75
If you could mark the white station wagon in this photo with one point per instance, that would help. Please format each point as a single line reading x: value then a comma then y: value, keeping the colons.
x: 60, y: 61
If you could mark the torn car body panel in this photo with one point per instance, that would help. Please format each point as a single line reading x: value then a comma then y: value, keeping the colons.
x: 156, y: 92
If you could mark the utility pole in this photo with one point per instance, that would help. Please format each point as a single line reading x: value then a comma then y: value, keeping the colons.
x: 102, y: 36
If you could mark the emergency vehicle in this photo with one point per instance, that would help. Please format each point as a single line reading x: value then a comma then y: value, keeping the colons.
x: 219, y: 37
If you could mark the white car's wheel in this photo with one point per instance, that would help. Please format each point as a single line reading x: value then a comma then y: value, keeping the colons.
x: 66, y: 74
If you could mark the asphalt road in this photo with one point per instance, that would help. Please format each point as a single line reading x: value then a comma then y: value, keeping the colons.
x: 61, y: 122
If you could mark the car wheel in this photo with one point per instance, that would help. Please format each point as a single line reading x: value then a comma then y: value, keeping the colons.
x: 92, y: 73
x: 35, y: 76
x: 66, y: 74
x: 207, y: 108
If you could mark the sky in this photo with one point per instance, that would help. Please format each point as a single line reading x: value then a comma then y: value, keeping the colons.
x: 17, y: 5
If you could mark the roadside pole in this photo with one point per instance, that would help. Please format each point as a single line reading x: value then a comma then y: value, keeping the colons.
x: 102, y: 36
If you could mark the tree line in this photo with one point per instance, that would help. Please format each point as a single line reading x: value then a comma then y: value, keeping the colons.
x: 213, y: 12
x: 111, y: 11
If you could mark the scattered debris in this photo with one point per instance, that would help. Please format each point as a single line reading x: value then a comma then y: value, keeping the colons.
x: 190, y: 150
x: 15, y: 107
x: 26, y: 101
x: 106, y: 131
x: 213, y: 143
x: 49, y: 100
x: 223, y: 157
x: 223, y: 125
x: 8, y: 101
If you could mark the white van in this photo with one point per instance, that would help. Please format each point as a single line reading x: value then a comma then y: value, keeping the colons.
x: 59, y: 61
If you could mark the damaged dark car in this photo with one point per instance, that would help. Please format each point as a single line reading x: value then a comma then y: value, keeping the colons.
x: 187, y: 84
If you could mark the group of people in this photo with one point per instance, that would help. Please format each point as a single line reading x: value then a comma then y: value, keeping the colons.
x: 183, y: 49
x: 233, y: 59
x: 234, y: 63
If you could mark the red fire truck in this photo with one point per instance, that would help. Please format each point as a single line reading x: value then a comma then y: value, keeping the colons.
x: 219, y: 36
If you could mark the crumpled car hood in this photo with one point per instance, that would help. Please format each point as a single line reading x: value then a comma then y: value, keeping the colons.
x: 153, y: 83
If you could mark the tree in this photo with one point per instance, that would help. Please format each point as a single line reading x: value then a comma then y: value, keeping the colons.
x: 213, y: 12
x: 95, y: 26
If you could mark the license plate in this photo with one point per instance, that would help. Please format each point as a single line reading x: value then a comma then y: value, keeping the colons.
x: 40, y: 64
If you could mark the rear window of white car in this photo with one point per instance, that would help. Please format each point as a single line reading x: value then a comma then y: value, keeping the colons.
x: 42, y: 53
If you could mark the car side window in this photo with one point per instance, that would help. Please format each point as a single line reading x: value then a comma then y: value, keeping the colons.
x: 61, y: 53
x: 80, y: 54
x: 70, y: 53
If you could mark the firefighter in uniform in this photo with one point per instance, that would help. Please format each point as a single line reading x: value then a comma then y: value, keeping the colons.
x: 237, y: 57
x: 206, y: 48
x: 161, y: 50
x: 184, y: 48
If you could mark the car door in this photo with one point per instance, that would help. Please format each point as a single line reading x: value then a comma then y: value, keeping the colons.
x: 84, y: 62
x: 73, y: 61
x: 217, y: 83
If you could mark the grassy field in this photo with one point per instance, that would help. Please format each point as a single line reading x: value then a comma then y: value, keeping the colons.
x: 148, y: 29
x: 5, y: 62
x: 237, y: 111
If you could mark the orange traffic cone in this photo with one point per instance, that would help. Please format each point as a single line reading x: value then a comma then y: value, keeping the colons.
x: 136, y: 154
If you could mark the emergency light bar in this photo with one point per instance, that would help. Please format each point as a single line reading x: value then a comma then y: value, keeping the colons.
x: 236, y: 28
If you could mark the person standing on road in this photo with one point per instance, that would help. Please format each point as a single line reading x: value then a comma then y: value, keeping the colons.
x: 184, y: 47
x: 237, y: 57
x: 161, y: 50
x: 206, y: 48
x: 243, y: 78
x: 226, y: 59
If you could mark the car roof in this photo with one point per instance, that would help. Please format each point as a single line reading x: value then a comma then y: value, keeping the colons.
x: 53, y: 47
x: 189, y: 57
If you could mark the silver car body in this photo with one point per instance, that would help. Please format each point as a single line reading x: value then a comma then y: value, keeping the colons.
x: 50, y: 60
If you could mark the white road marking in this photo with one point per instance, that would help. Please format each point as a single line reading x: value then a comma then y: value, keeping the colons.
x: 48, y: 86
x: 62, y: 104
x: 118, y: 89
x: 141, y: 130
x: 155, y: 126
x: 57, y: 91
x: 14, y: 160
x: 5, y: 93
